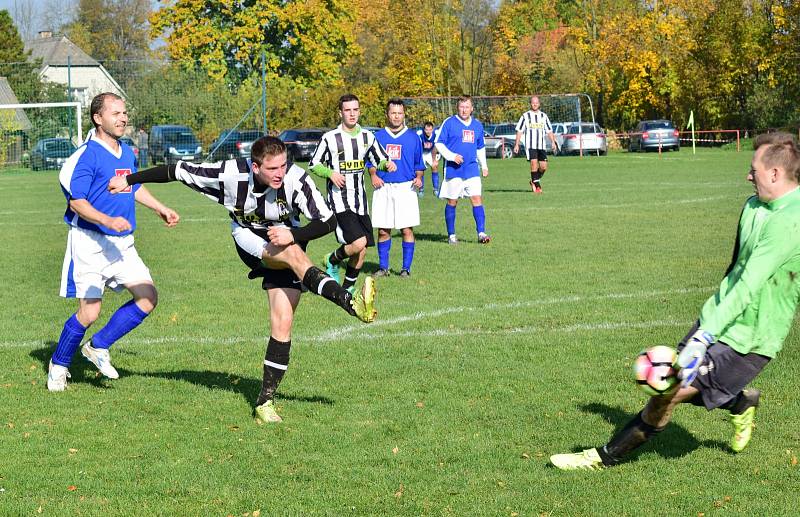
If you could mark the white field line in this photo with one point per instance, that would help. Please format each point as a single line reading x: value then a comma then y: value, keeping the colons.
x: 367, y: 332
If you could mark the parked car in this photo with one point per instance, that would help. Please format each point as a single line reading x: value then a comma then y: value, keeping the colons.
x: 559, y: 130
x: 233, y: 144
x: 505, y: 134
x: 584, y: 137
x: 301, y: 143
x: 168, y: 144
x: 650, y: 134
x: 51, y: 153
x: 508, y: 131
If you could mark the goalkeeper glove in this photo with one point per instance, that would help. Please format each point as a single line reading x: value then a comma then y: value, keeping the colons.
x: 691, y: 357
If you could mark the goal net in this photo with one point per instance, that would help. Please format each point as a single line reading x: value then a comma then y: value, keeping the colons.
x: 39, y: 136
x: 569, y: 107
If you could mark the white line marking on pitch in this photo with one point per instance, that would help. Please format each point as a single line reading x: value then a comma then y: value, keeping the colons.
x: 363, y: 331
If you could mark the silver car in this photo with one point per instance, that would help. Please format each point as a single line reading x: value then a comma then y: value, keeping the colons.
x: 649, y: 135
x: 585, y: 138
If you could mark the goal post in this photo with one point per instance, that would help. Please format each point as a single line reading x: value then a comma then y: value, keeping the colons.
x: 22, y: 126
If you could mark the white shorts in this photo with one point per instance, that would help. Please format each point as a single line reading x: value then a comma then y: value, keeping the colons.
x: 455, y: 188
x: 395, y: 205
x: 427, y: 158
x: 94, y: 261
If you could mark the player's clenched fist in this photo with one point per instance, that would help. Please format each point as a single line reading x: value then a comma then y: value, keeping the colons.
x: 117, y: 184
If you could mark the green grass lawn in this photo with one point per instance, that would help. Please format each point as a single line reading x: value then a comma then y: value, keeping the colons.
x: 482, y: 364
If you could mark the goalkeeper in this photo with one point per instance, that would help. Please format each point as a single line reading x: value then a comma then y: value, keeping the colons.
x: 744, y: 324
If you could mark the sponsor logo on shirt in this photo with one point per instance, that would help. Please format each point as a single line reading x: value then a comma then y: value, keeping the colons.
x: 351, y: 166
x: 123, y: 172
x: 467, y: 136
x: 395, y: 151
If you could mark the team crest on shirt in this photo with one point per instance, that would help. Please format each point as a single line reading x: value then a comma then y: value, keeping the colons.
x: 467, y: 136
x: 395, y: 151
x: 283, y: 210
x: 123, y: 172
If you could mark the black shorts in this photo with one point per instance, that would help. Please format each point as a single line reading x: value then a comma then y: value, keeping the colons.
x: 270, y: 278
x: 350, y: 227
x: 536, y: 154
x: 724, y: 373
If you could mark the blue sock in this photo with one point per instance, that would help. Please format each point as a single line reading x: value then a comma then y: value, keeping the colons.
x: 408, y: 255
x: 480, y: 218
x: 383, y: 253
x: 127, y: 318
x: 450, y: 219
x: 68, y: 342
x: 435, y: 180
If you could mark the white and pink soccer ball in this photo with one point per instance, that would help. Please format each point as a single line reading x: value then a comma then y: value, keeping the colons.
x: 654, y: 372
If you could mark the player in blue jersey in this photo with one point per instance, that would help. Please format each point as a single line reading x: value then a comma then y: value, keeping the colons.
x: 460, y: 143
x: 394, y: 202
x: 100, y: 249
x: 429, y: 156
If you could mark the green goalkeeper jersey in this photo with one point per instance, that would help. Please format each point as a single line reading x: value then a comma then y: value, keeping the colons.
x: 754, y: 307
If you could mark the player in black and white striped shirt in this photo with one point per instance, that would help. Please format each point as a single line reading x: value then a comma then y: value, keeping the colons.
x: 535, y: 125
x: 265, y: 201
x: 340, y: 157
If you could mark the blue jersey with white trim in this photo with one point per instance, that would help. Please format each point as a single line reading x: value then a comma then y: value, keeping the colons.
x: 427, y: 141
x: 85, y: 175
x: 464, y: 138
x: 405, y: 151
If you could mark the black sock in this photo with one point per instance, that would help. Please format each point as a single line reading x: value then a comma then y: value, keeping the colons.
x: 338, y: 256
x: 350, y: 276
x: 276, y: 361
x: 533, y: 176
x: 317, y: 282
x: 537, y: 176
x: 633, y: 435
x: 744, y: 400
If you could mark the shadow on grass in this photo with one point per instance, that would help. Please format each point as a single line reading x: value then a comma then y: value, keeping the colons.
x: 247, y: 388
x: 674, y: 442
x: 82, y: 371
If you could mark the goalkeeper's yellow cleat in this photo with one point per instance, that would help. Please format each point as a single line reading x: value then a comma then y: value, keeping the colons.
x: 266, y: 414
x: 586, y: 460
x: 363, y: 303
x: 744, y: 422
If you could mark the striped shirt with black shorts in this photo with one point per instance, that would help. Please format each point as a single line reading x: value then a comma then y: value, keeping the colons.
x: 347, y: 154
x: 535, y: 125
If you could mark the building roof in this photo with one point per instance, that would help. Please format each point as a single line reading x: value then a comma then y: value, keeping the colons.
x: 7, y: 97
x: 55, y: 50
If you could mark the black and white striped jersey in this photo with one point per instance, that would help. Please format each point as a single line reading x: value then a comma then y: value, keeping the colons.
x: 251, y: 204
x: 534, y: 125
x: 347, y: 155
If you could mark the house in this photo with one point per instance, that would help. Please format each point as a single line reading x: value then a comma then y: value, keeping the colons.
x: 13, y: 126
x: 65, y: 63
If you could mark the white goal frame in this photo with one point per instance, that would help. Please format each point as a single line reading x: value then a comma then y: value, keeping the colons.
x: 74, y: 104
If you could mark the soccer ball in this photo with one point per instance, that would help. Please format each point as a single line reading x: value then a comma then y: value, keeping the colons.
x: 653, y: 370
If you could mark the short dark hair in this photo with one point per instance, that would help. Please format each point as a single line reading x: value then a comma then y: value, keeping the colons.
x: 266, y: 147
x: 427, y: 123
x: 347, y: 97
x: 395, y: 101
x: 781, y: 151
x: 98, y: 103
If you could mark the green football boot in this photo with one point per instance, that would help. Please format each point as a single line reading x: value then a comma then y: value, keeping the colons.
x: 586, y: 460
x: 363, y: 303
x: 266, y: 414
x: 331, y: 269
x: 744, y: 422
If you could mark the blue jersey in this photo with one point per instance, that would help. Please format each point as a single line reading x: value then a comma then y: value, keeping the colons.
x: 427, y: 141
x: 85, y: 175
x: 405, y: 151
x: 464, y: 139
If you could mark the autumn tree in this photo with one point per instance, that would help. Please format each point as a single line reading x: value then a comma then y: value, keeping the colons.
x: 14, y: 64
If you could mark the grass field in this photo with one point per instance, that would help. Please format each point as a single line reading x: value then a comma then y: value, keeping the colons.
x: 482, y: 364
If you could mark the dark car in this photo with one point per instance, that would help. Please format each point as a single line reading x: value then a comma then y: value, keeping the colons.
x: 301, y: 143
x: 649, y: 135
x: 51, y: 153
x: 233, y: 144
x: 168, y: 144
